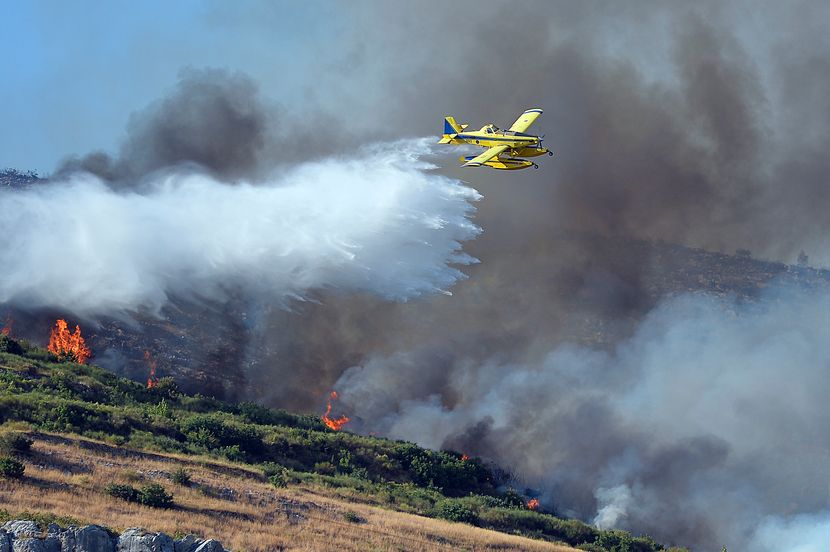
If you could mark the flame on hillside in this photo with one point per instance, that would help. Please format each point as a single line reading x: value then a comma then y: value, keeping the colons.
x: 7, y: 329
x: 333, y: 423
x: 533, y: 504
x: 464, y: 457
x: 67, y: 345
x: 152, y: 380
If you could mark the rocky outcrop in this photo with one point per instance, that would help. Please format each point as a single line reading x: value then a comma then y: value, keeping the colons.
x: 27, y: 536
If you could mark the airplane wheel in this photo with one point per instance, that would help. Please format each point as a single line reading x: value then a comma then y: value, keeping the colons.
x: 535, y: 166
x: 550, y: 153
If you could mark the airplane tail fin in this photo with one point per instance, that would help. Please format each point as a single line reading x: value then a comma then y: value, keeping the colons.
x: 450, y: 126
x: 451, y: 130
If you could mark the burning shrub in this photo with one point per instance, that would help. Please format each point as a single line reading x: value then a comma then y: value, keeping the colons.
x: 68, y: 346
x: 335, y: 424
x: 11, y: 468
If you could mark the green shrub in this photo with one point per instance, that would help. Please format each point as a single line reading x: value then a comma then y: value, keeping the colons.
x: 622, y: 541
x: 42, y: 519
x: 181, y: 477
x: 453, y: 510
x: 11, y: 468
x: 277, y: 474
x: 526, y: 522
x: 512, y: 499
x: 124, y: 492
x: 278, y: 480
x: 154, y: 495
x: 15, y: 442
x: 211, y: 431
x: 325, y: 468
x: 9, y: 345
x: 352, y: 517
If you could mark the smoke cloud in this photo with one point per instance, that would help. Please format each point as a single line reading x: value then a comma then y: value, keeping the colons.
x: 702, y: 409
x: 696, y: 419
x: 379, y: 222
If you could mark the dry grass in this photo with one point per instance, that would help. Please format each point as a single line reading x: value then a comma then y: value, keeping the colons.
x: 66, y: 476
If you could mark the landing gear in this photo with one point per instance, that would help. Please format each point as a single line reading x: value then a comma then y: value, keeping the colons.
x: 535, y: 166
x: 550, y: 153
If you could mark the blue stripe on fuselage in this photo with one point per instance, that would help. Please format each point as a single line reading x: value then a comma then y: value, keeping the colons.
x: 513, y: 139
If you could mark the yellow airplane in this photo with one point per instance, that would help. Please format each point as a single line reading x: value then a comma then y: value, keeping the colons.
x: 503, y: 146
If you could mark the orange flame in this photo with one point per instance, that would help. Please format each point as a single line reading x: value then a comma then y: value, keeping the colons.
x: 152, y: 380
x: 333, y: 423
x: 7, y: 329
x: 464, y: 457
x: 64, y: 344
x: 533, y: 504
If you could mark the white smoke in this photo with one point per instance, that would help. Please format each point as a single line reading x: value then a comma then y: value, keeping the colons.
x: 800, y: 533
x: 379, y: 221
x: 686, y: 431
x: 613, y: 503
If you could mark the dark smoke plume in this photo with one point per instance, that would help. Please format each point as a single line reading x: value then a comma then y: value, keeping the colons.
x: 560, y: 356
x: 214, y: 119
x: 695, y: 138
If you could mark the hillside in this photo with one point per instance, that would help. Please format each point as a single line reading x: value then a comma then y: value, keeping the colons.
x: 258, y: 479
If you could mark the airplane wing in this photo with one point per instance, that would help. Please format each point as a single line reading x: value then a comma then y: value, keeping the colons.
x: 525, y: 120
x: 484, y: 157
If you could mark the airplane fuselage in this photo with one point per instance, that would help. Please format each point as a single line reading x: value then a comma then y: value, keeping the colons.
x: 519, y: 144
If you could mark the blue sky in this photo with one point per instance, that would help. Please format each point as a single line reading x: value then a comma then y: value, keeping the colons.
x: 72, y: 72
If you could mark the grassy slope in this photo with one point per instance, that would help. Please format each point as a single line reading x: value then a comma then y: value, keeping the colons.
x: 231, y: 449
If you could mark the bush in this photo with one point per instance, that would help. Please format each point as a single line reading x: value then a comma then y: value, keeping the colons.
x: 236, y: 441
x: 181, y: 477
x: 9, y: 345
x: 124, y: 492
x: 526, y: 522
x: 11, y: 468
x: 352, y: 517
x: 277, y: 474
x: 154, y: 495
x: 278, y: 480
x: 452, y: 510
x: 622, y: 541
x: 15, y: 442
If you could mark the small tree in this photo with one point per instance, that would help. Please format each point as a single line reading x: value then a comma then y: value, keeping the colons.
x: 154, y: 495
